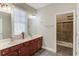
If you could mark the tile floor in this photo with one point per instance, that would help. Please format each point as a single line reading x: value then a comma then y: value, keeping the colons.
x: 66, y: 51
x: 44, y: 52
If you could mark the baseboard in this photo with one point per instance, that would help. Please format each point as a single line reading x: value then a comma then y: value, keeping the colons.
x: 49, y: 49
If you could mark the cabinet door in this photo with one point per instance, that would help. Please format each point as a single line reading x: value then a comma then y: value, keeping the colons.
x: 28, y: 47
x: 35, y: 45
x: 40, y: 42
x: 24, y: 51
x: 31, y: 47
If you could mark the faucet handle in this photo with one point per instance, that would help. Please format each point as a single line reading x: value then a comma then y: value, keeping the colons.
x: 22, y: 35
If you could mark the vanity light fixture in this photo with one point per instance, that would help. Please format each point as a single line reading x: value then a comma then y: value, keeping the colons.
x: 5, y: 7
x: 2, y: 5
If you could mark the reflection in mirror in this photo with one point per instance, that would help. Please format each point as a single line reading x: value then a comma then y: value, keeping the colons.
x: 5, y: 25
x: 19, y: 23
x: 15, y: 23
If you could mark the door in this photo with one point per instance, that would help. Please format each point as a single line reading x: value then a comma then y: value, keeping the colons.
x: 67, y: 26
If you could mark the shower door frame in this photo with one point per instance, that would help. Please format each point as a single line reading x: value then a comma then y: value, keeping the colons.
x: 74, y: 29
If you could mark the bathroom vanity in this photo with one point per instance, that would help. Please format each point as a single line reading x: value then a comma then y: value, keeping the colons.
x: 21, y: 47
x: 14, y: 33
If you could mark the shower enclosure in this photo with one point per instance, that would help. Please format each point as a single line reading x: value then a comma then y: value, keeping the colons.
x: 65, y: 34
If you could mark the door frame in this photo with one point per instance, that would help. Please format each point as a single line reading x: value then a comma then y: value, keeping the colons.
x: 74, y: 29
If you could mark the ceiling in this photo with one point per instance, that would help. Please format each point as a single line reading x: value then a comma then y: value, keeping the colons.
x: 37, y: 5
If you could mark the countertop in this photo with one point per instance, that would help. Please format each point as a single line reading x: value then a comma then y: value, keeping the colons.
x: 6, y: 43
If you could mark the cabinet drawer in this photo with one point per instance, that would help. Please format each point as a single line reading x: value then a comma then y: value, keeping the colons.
x: 12, y: 53
x: 26, y: 44
x: 16, y: 47
x: 5, y: 51
x: 31, y: 42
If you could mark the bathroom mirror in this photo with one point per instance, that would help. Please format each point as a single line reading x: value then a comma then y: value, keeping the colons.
x: 13, y: 23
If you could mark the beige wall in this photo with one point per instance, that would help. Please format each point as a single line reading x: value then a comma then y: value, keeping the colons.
x: 47, y: 22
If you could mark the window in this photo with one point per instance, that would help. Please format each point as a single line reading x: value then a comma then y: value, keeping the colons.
x: 19, y: 21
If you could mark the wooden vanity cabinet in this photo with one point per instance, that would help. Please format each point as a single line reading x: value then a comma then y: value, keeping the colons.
x: 24, y: 49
